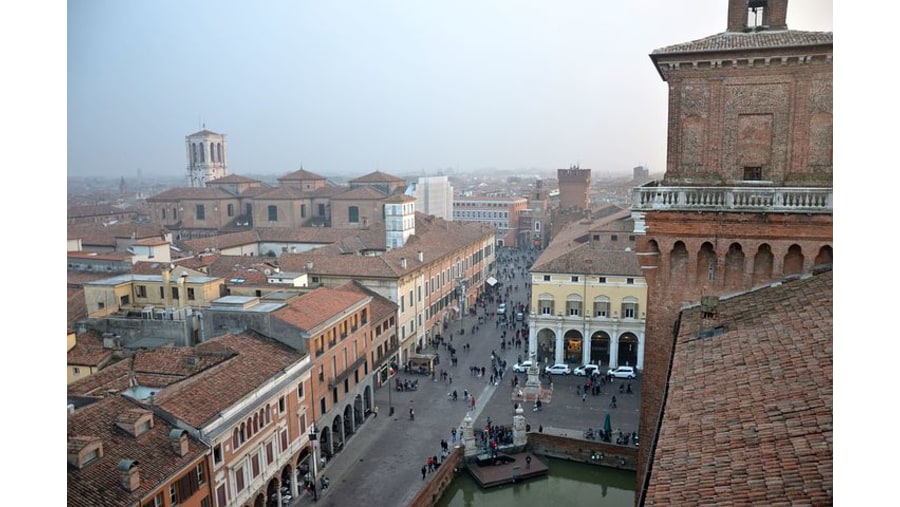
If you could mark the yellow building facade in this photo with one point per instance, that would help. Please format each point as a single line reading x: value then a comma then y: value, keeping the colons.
x: 588, y: 297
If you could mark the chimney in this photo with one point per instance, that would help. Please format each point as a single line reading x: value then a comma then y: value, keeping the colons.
x: 403, y: 262
x: 309, y: 266
x: 167, y: 278
x: 129, y: 476
x: 179, y: 440
x: 420, y: 256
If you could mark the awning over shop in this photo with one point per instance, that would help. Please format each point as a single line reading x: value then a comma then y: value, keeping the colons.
x: 491, y: 281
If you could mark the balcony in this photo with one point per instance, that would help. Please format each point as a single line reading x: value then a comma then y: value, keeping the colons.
x: 738, y: 199
x: 334, y: 382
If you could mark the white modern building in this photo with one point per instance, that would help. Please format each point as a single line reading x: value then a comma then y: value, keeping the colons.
x: 434, y: 196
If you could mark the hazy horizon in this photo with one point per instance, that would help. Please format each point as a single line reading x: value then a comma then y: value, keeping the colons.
x: 344, y: 89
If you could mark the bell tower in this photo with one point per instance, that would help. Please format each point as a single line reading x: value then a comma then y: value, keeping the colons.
x: 207, y: 157
x: 747, y: 197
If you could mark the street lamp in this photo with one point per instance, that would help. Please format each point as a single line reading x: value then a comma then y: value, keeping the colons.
x: 461, y: 285
x: 314, y: 440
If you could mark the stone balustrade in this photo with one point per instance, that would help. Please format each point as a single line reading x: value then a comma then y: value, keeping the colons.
x: 749, y: 199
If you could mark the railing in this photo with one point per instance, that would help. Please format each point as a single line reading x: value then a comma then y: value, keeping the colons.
x: 753, y: 199
x: 348, y: 371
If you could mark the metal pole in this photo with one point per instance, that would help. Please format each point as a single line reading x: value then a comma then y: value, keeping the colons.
x: 314, y: 439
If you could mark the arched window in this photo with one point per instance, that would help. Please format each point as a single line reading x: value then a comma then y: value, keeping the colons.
x: 235, y: 439
x: 249, y: 427
x: 268, y: 412
x: 193, y: 153
x: 762, y: 265
x: 678, y: 260
x: 255, y: 423
x: 793, y: 261
x: 202, y: 153
x: 212, y: 152
x: 706, y: 263
x: 219, y: 149
x: 243, y: 433
x: 734, y: 267
x: 353, y: 213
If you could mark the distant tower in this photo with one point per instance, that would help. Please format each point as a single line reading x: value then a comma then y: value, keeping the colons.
x: 399, y: 220
x: 574, y: 188
x: 207, y: 157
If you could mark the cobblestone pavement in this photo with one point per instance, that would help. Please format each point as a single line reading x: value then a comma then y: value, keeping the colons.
x: 381, y: 464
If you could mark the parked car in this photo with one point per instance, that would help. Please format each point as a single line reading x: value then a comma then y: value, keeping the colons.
x: 586, y: 370
x: 622, y: 372
x: 501, y: 309
x: 558, y: 369
x: 522, y: 367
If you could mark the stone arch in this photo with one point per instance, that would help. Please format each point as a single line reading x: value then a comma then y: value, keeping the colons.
x: 367, y: 399
x: 627, y: 350
x: 678, y: 259
x: 359, y: 412
x: 349, y: 420
x: 653, y: 259
x: 202, y: 153
x: 824, y: 256
x: 763, y: 264
x: 573, y: 346
x: 259, y: 500
x: 546, y: 346
x: 600, y: 347
x: 706, y: 265
x: 793, y: 261
x: 273, y: 488
x: 325, y: 442
x: 734, y: 267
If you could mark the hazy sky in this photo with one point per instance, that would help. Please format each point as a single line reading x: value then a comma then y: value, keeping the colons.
x: 345, y: 88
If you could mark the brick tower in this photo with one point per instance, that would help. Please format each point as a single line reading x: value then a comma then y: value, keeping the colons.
x: 574, y: 189
x: 747, y: 196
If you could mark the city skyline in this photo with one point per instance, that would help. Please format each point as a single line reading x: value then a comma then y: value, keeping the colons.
x: 405, y: 88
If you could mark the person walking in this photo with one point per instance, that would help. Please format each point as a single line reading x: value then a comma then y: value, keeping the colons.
x: 375, y: 412
x: 424, y: 471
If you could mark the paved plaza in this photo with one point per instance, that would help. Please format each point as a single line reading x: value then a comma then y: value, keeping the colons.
x: 381, y: 463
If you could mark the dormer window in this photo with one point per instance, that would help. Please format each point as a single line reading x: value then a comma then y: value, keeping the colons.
x: 84, y: 450
x: 135, y: 421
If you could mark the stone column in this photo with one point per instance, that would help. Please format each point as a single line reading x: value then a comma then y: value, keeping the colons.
x: 558, y: 354
x: 469, y: 437
x: 520, y: 437
x: 586, y: 342
x: 642, y: 339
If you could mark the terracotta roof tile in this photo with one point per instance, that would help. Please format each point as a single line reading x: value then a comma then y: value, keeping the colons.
x: 97, y: 484
x: 749, y: 408
x: 739, y: 41
x: 88, y: 351
x: 317, y: 307
x: 201, y: 397
x: 301, y: 174
x: 232, y: 179
x: 360, y: 193
x: 192, y: 193
x: 377, y: 177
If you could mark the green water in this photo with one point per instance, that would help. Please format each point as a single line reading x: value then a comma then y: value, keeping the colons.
x: 567, y: 483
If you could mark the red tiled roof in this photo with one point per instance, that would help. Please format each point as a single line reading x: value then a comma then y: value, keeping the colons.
x: 740, y: 41
x: 88, y: 351
x: 301, y: 174
x: 191, y: 193
x: 377, y: 177
x: 202, y: 396
x: 748, y: 418
x: 98, y: 484
x: 232, y: 179
x: 315, y: 308
x: 380, y: 307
